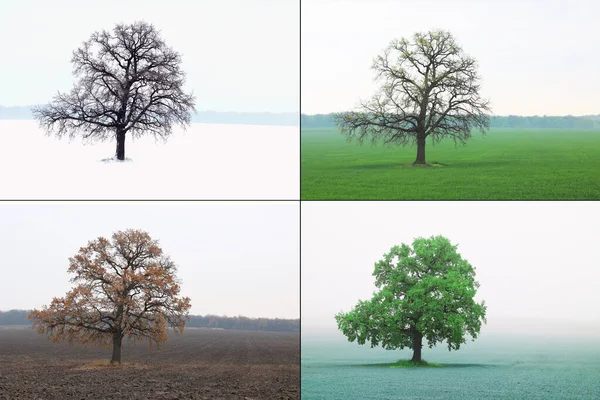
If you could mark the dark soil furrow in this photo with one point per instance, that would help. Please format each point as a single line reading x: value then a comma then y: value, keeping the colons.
x: 200, y: 364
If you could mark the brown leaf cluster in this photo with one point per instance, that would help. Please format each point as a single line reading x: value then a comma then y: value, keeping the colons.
x: 125, y: 287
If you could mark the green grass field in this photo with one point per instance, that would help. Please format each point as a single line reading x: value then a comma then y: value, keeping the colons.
x: 542, y: 164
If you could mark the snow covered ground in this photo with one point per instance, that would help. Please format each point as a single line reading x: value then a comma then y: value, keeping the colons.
x: 205, y: 162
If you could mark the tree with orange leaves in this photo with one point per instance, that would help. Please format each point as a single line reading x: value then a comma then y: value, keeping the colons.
x: 126, y: 288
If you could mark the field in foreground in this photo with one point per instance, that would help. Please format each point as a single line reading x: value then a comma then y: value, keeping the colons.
x: 515, y: 368
x: 200, y: 364
x: 206, y: 161
x: 542, y: 164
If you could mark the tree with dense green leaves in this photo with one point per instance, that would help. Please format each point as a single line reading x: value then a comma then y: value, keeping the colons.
x: 429, y: 89
x: 425, y: 292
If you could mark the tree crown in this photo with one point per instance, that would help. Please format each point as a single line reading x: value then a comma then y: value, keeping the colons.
x: 129, y: 80
x: 125, y: 287
x: 429, y: 87
x: 428, y: 289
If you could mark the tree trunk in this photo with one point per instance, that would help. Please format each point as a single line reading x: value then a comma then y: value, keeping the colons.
x: 120, y: 145
x: 420, y: 150
x: 116, y: 354
x: 417, y: 340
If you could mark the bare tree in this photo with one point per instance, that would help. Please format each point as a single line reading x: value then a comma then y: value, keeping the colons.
x: 429, y: 88
x: 129, y: 81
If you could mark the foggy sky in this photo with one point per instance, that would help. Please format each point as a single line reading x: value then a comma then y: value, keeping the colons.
x: 537, y: 262
x: 536, y: 57
x: 234, y: 258
x: 239, y: 55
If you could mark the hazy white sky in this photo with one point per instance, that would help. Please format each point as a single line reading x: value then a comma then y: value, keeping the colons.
x: 536, y: 57
x: 234, y: 258
x: 239, y: 55
x: 537, y: 262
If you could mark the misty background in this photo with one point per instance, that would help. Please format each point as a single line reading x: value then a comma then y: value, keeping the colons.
x: 233, y: 258
x: 535, y: 57
x: 238, y: 55
x: 536, y: 261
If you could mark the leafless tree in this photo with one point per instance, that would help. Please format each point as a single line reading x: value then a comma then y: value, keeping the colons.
x: 129, y: 81
x: 429, y: 88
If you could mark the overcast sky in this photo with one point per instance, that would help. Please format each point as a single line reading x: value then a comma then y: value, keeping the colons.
x: 536, y: 57
x: 537, y: 262
x: 239, y: 55
x: 234, y: 258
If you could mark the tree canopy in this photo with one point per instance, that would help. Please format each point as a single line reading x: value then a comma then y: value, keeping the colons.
x: 425, y: 292
x: 429, y: 88
x: 129, y: 81
x: 126, y: 287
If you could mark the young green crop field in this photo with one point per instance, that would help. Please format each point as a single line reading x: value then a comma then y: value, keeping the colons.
x: 490, y: 368
x: 504, y: 164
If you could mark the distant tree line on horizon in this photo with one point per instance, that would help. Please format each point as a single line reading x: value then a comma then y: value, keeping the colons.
x: 245, y: 323
x: 19, y: 317
x: 511, y: 121
x: 200, y: 116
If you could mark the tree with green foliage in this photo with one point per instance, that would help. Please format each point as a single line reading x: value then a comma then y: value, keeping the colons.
x: 425, y: 292
x: 430, y: 88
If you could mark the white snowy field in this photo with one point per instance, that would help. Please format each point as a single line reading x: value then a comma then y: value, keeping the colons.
x: 206, y: 161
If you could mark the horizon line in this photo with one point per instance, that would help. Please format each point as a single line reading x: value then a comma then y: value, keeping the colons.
x: 196, y: 111
x: 492, y: 115
x: 191, y: 315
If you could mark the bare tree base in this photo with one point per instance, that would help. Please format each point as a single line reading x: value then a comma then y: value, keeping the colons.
x: 115, y: 159
x: 433, y: 164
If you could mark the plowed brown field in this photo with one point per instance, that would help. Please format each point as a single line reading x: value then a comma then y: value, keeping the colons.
x: 200, y: 364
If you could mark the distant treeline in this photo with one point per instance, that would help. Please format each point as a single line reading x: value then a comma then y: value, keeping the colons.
x: 244, y: 323
x: 207, y: 117
x: 19, y: 317
x: 511, y: 121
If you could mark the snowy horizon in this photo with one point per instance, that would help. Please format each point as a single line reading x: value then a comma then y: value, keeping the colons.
x: 23, y: 113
